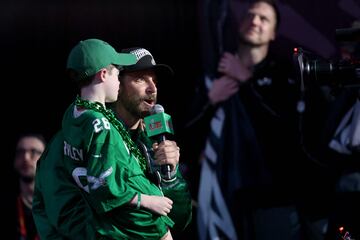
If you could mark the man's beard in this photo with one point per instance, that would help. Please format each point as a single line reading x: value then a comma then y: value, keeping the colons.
x: 27, y: 179
x: 132, y: 105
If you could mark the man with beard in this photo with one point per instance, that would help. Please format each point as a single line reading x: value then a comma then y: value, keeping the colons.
x: 137, y: 97
x: 248, y: 115
x: 28, y: 150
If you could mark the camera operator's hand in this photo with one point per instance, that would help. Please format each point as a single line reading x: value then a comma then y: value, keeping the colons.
x: 231, y: 66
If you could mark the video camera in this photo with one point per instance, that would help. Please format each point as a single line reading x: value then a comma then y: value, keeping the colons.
x: 337, y: 73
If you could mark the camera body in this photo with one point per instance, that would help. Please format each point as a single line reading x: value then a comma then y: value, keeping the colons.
x: 339, y: 72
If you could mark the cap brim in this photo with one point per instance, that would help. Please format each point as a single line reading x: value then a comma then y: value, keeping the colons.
x: 163, y: 68
x: 126, y: 59
x: 162, y: 71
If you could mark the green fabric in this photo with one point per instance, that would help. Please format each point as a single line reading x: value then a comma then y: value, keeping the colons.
x: 85, y: 179
x: 59, y: 209
x: 110, y: 177
x: 91, y: 55
x: 177, y: 190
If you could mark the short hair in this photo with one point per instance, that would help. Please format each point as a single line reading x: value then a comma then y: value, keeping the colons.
x: 274, y: 5
x: 75, y: 76
x: 38, y: 136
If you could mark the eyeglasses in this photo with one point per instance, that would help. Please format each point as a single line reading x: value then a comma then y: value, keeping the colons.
x: 33, y: 152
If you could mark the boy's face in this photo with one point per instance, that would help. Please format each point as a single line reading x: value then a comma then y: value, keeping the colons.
x: 112, y: 84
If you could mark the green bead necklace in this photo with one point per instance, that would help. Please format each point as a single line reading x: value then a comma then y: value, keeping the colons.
x: 109, y: 114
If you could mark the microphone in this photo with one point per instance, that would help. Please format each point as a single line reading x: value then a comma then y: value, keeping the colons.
x: 158, y: 125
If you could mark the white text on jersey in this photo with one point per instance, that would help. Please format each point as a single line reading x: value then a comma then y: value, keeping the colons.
x: 73, y: 152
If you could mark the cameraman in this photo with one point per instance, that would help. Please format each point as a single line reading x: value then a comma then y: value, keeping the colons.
x: 330, y: 137
x: 343, y: 150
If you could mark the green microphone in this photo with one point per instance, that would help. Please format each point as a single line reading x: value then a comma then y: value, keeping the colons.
x: 158, y: 125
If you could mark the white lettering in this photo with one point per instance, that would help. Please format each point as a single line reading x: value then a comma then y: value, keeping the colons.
x: 73, y: 152
x: 139, y: 53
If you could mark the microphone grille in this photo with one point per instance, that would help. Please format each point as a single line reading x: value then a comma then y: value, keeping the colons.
x: 157, y: 109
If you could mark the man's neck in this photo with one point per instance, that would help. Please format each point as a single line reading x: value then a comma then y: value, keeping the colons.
x: 130, y: 122
x: 135, y: 124
x: 252, y: 55
x: 92, y: 94
x: 26, y: 192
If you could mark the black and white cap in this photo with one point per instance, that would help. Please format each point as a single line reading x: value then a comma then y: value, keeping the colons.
x: 144, y: 60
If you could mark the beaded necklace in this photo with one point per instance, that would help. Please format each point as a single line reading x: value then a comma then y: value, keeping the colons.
x: 109, y: 114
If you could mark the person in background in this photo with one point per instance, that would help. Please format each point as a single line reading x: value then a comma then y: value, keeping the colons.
x: 29, y: 148
x: 341, y: 150
x: 340, y: 142
x: 331, y: 137
x: 250, y: 159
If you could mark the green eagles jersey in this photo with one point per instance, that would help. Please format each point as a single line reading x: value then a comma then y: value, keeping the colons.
x: 95, y: 158
x: 59, y: 210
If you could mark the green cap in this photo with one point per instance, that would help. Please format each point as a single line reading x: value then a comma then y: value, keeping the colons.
x: 91, y: 55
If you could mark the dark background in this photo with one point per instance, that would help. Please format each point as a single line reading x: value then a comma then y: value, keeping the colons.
x: 37, y: 35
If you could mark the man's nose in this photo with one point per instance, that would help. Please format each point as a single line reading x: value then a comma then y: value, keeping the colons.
x: 151, y: 86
